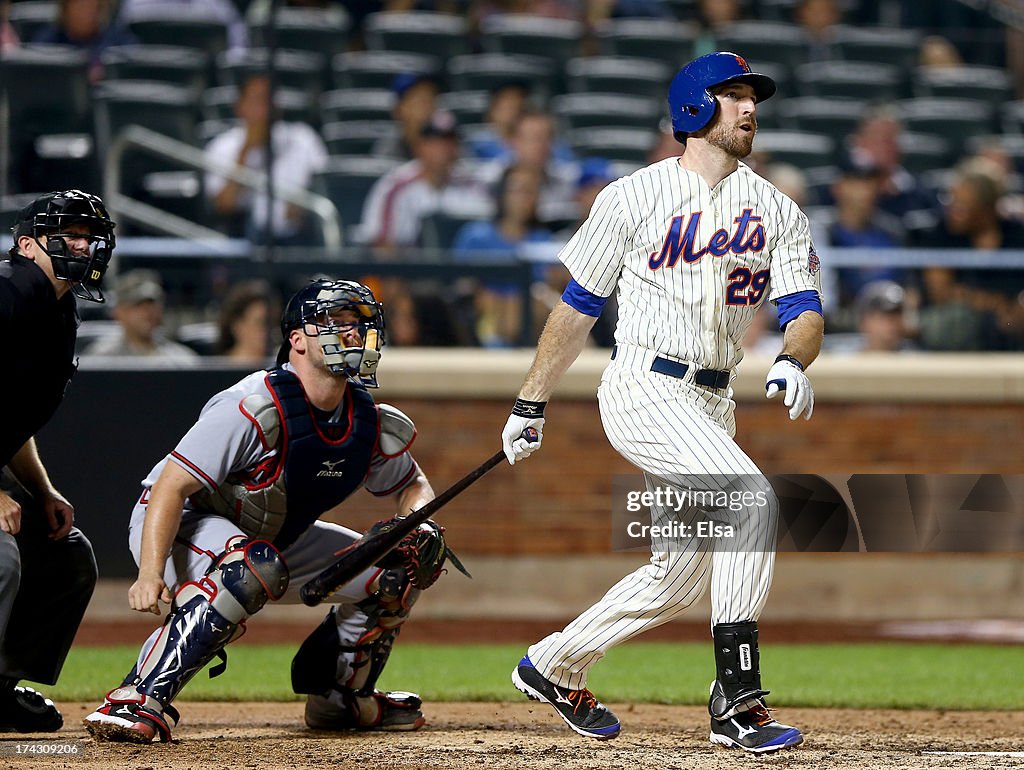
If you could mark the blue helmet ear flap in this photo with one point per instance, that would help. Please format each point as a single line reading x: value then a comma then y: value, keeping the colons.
x: 691, y: 105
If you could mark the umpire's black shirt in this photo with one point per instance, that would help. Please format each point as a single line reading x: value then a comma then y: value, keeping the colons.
x: 37, y: 337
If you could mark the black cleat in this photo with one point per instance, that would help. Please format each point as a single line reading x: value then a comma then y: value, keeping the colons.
x: 23, y: 710
x: 578, y: 708
x: 753, y: 730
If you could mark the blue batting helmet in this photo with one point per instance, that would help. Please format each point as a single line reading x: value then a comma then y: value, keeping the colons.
x: 690, y: 102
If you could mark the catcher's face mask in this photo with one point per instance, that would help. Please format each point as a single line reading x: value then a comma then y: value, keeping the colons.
x: 348, y: 323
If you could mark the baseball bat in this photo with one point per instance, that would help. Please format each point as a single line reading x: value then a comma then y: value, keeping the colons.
x: 373, y: 546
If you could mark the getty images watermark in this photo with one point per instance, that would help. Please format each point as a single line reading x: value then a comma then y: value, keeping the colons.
x: 671, y: 514
x: 808, y: 513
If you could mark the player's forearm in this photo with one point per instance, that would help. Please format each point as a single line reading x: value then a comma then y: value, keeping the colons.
x: 415, y: 495
x: 803, y: 338
x: 561, y: 342
x: 29, y: 469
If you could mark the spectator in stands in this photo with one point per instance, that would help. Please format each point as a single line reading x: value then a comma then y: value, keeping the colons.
x: 499, y: 304
x: 299, y: 152
x: 138, y: 310
x: 819, y: 20
x: 506, y: 104
x: 714, y: 17
x: 8, y: 37
x: 881, y: 309
x: 789, y: 180
x: 534, y: 145
x: 938, y: 53
x: 857, y: 223
x: 416, y: 94
x: 85, y: 24
x: 223, y: 11
x: 877, y: 143
x: 973, y: 308
x: 431, y: 182
x: 248, y: 319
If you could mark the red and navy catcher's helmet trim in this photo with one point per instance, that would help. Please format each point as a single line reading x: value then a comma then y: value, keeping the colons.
x: 690, y: 101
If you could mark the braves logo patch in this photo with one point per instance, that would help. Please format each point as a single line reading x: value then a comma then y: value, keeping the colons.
x: 813, y: 262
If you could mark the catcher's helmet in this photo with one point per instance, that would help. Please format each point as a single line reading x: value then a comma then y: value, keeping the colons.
x: 51, y: 215
x: 311, y: 308
x: 690, y: 101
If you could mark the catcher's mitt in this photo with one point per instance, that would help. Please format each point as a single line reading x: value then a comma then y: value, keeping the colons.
x: 422, y: 554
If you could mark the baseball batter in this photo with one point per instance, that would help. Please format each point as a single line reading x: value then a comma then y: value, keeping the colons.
x: 693, y: 245
x: 229, y: 520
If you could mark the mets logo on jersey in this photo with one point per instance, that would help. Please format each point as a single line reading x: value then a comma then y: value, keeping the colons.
x: 813, y: 262
x: 682, y: 243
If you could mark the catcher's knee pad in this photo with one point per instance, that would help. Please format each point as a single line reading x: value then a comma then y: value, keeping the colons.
x: 738, y: 664
x: 209, y: 614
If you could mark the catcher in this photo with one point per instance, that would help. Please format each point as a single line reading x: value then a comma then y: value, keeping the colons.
x: 229, y: 520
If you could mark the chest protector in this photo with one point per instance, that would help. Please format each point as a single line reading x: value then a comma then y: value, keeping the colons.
x: 317, y: 466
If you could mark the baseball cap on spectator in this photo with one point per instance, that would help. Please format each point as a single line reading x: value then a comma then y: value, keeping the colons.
x: 441, y: 124
x: 138, y: 286
x: 595, y: 171
x: 881, y: 297
x: 406, y: 80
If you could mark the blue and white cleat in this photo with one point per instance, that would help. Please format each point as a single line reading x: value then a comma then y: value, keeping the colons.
x: 578, y: 708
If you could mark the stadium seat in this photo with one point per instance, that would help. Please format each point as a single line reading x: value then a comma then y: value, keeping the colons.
x: 179, y: 24
x: 764, y: 41
x: 297, y: 70
x: 30, y: 16
x: 1013, y: 117
x: 376, y: 69
x: 436, y: 34
x: 615, y: 144
x: 355, y: 137
x: 484, y: 72
x: 169, y: 64
x: 877, y: 44
x: 974, y: 82
x: 468, y: 107
x: 357, y: 104
x: 607, y: 111
x: 836, y: 117
x: 800, y: 148
x: 322, y: 31
x: 45, y: 93
x: 851, y: 80
x: 666, y: 41
x: 955, y: 119
x: 925, y: 152
x: 347, y: 182
x: 618, y: 75
x: 554, y: 39
x: 162, y: 107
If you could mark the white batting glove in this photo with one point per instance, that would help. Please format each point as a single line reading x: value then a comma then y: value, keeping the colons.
x: 523, y: 431
x: 788, y: 376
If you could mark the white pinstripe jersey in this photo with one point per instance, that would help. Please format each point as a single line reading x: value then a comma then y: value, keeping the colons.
x: 692, y: 263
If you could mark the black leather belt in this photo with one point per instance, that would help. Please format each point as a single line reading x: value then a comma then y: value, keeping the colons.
x: 708, y: 378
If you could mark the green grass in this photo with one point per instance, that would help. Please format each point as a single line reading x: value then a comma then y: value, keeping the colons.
x: 851, y: 675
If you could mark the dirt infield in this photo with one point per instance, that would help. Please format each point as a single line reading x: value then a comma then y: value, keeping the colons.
x: 523, y: 736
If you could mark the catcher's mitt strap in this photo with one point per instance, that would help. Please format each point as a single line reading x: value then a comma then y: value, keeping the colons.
x: 457, y: 563
x: 397, y: 431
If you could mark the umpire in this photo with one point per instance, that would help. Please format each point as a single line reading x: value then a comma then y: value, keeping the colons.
x: 62, y: 245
